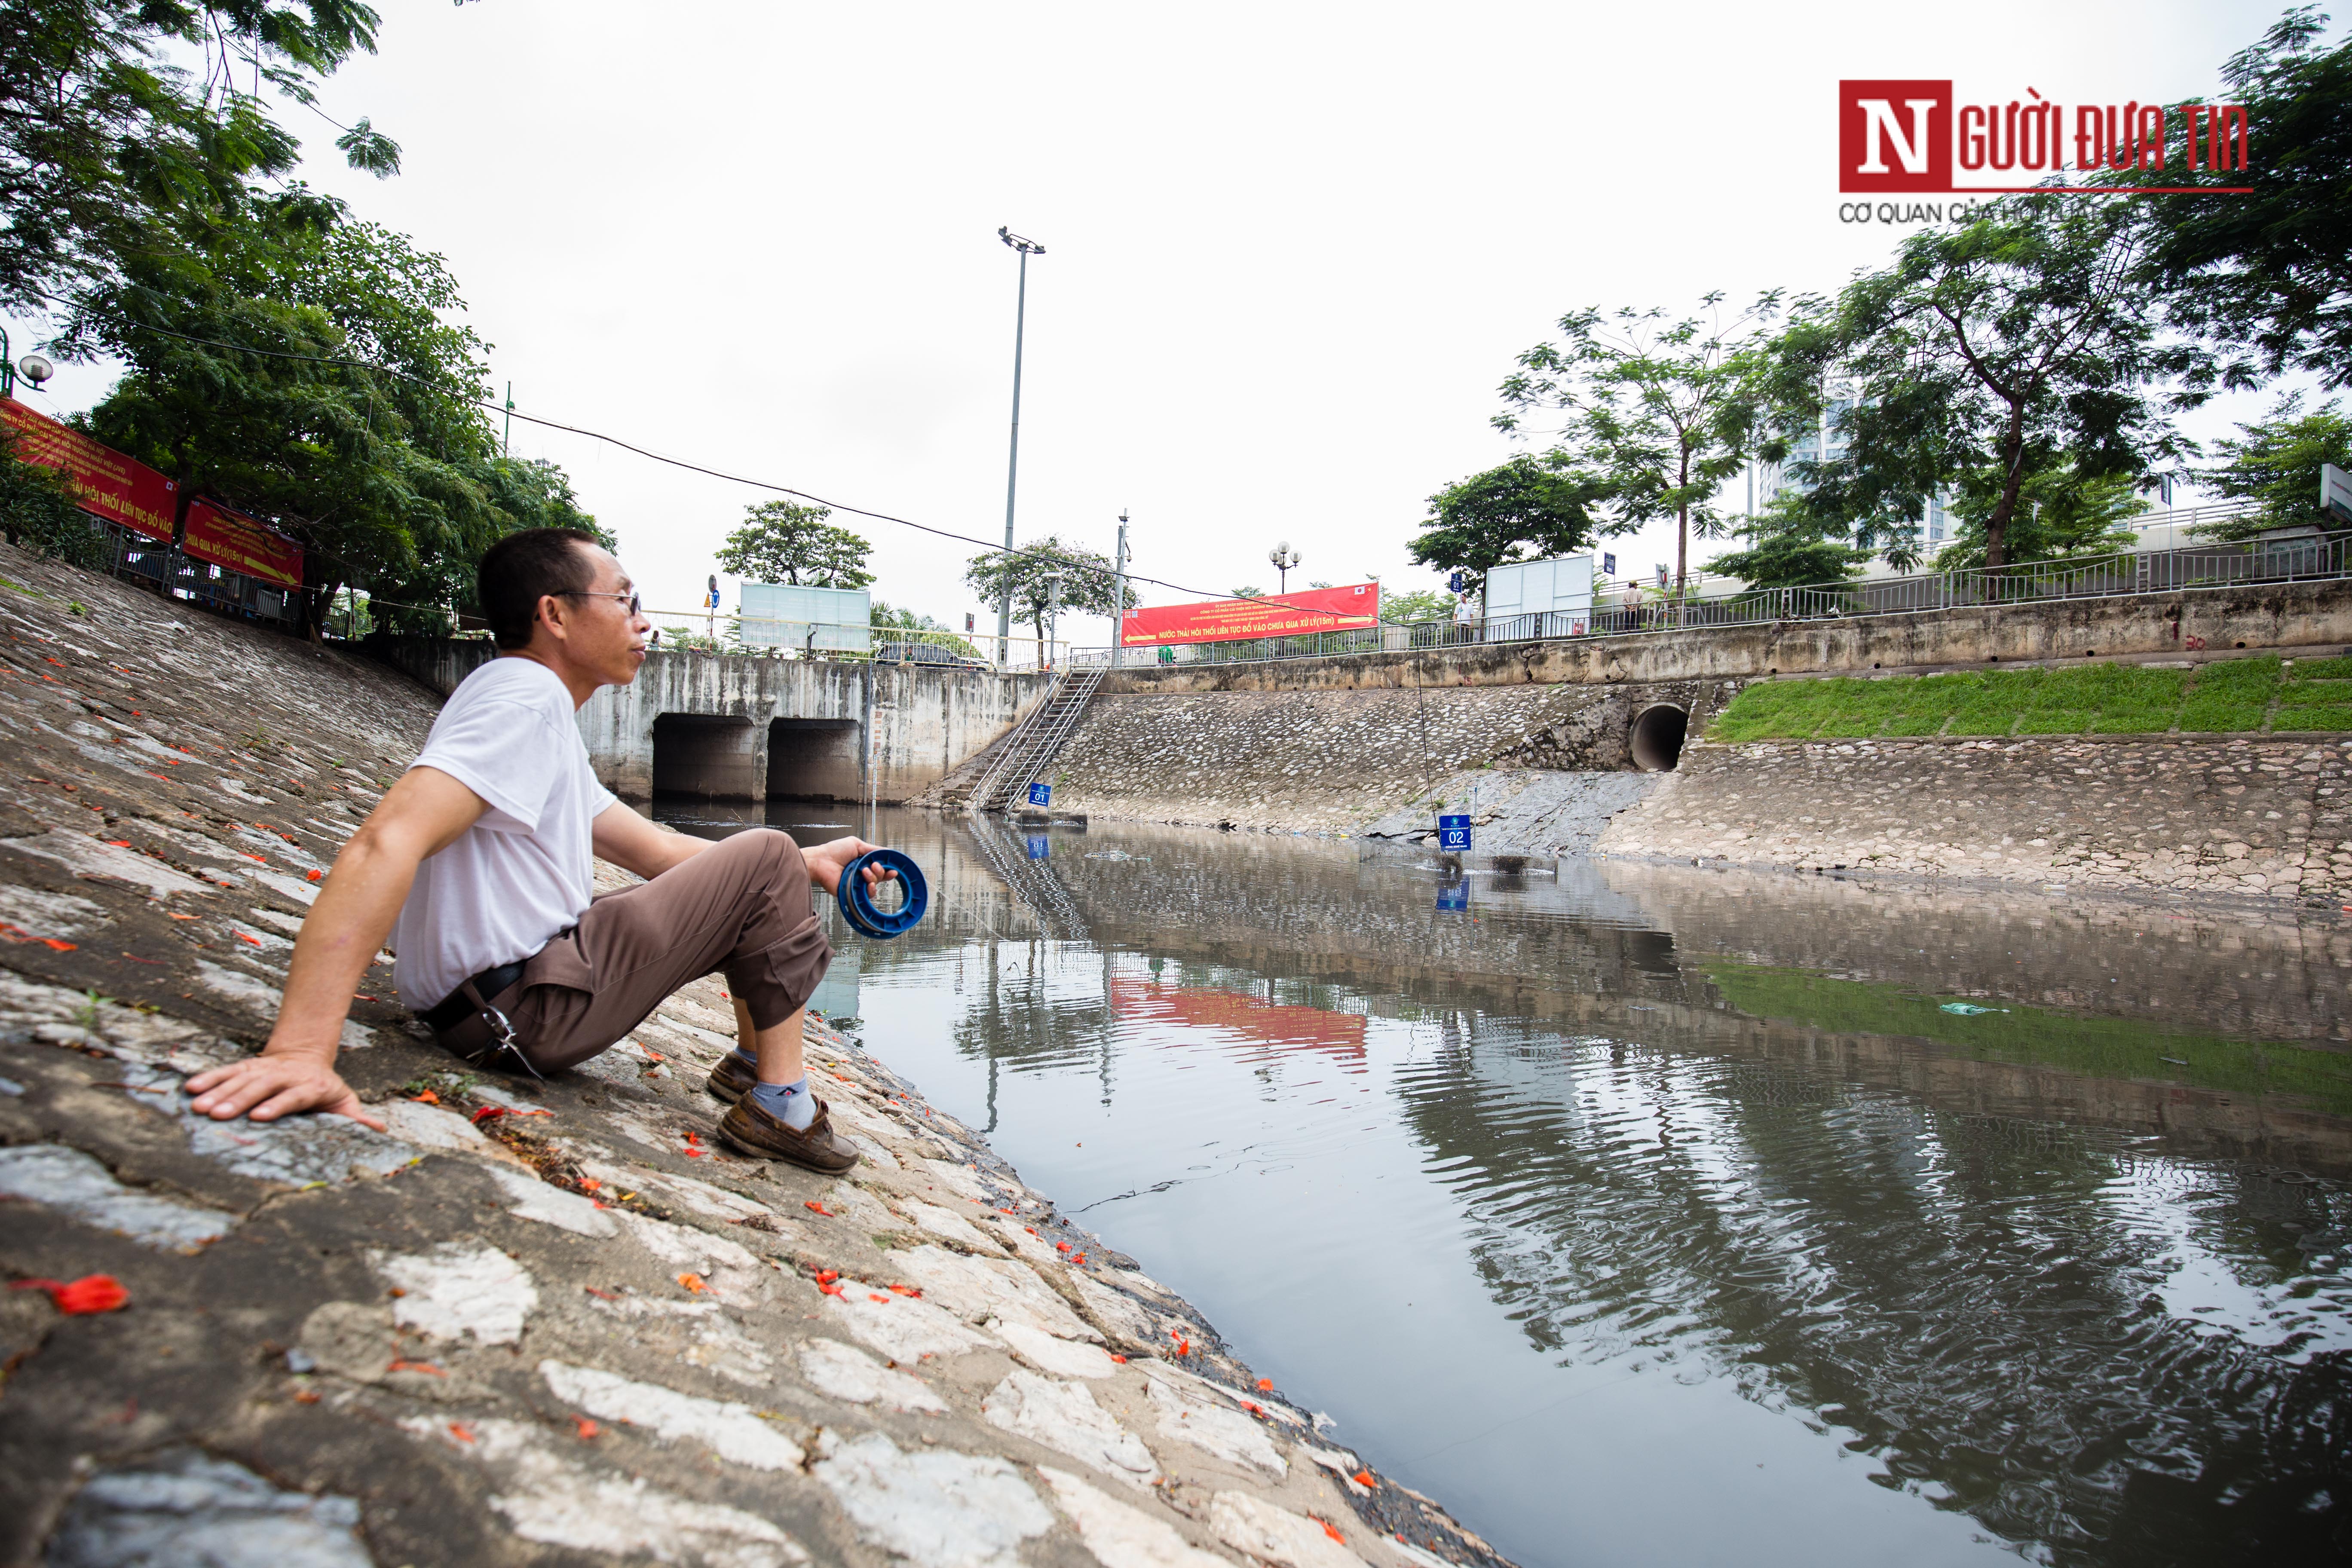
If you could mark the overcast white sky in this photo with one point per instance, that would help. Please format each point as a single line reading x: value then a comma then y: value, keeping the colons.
x: 1291, y: 248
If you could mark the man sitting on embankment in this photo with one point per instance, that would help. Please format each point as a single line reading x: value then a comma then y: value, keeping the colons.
x: 480, y: 854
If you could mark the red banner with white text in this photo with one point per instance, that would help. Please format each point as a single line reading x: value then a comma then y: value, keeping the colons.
x: 226, y: 538
x: 112, y: 486
x: 1280, y: 616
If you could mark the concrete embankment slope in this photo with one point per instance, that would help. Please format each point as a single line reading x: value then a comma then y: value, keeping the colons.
x: 535, y: 1322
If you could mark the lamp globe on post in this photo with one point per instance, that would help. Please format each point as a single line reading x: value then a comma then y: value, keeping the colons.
x: 1283, y: 558
x: 36, y: 369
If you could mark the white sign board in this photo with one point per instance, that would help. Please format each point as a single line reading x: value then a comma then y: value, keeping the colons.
x: 820, y: 620
x: 1540, y: 599
x: 2335, y: 492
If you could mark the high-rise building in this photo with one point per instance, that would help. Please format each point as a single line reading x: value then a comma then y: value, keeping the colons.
x: 1825, y: 443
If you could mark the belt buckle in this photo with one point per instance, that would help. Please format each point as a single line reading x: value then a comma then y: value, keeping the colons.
x: 502, y: 1035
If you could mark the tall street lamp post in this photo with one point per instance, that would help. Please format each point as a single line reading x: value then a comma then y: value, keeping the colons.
x: 1118, y: 595
x: 1027, y: 247
x: 1284, y: 559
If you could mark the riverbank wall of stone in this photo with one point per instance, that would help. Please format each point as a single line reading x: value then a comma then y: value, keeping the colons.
x: 2247, y: 817
x: 1329, y: 761
x: 533, y: 1320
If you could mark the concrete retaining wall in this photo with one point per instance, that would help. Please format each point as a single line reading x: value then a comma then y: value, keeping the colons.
x: 767, y: 726
x: 2282, y: 615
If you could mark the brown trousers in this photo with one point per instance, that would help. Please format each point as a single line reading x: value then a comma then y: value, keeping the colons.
x: 741, y: 906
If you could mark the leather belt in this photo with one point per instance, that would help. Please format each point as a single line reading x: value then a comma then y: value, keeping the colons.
x: 456, y: 1006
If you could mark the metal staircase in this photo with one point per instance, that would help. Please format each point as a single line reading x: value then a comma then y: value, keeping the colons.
x: 1031, y: 749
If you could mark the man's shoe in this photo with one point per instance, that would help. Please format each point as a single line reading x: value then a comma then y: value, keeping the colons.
x: 731, y: 1080
x: 753, y: 1129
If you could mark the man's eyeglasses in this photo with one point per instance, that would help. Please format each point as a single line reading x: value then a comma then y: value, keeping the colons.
x: 636, y: 602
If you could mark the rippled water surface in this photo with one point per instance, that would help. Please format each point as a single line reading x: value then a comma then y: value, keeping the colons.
x: 1657, y: 1215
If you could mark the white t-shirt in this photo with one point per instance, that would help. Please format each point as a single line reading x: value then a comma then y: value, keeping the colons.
x: 521, y: 873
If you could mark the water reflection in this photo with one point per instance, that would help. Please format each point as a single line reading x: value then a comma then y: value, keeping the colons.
x: 1665, y: 1216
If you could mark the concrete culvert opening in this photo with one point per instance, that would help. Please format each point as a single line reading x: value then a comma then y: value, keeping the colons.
x: 816, y: 758
x: 698, y: 753
x: 1657, y: 738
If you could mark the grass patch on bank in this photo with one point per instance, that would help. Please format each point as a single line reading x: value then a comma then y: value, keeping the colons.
x: 2121, y: 1048
x: 2227, y: 697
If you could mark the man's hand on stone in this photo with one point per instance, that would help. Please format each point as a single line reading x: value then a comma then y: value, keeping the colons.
x: 266, y: 1087
x: 827, y: 861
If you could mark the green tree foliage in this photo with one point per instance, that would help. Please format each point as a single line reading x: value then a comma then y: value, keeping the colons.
x: 2061, y: 514
x: 2270, y: 273
x: 1657, y: 413
x: 108, y: 150
x: 1789, y: 547
x: 1529, y: 508
x: 1420, y: 605
x: 2276, y: 461
x: 787, y: 542
x: 2014, y: 345
x: 905, y: 625
x: 1047, y: 572
x: 393, y: 474
x: 38, y: 511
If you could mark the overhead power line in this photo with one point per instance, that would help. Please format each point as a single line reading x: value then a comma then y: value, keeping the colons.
x: 699, y: 468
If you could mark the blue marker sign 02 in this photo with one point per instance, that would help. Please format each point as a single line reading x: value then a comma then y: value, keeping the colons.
x: 1453, y: 896
x: 1454, y: 834
x: 1040, y: 795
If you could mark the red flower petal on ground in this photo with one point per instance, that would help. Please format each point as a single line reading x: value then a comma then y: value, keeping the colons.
x: 242, y: 937
x: 465, y: 1434
x: 119, y: 843
x: 426, y: 1096
x: 830, y: 1289
x: 489, y: 1113
x: 1118, y: 1358
x: 693, y: 1283
x: 1061, y: 1246
x: 314, y: 876
x: 826, y: 1277
x: 587, y: 1429
x: 80, y: 1298
x: 51, y: 942
x: 815, y: 1207
x: 1331, y: 1532
x: 1265, y: 1385
x: 1364, y: 1478
x: 425, y: 1367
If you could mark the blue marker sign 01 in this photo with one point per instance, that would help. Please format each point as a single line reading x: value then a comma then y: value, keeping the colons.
x: 1040, y: 847
x: 1040, y: 795
x: 1454, y: 834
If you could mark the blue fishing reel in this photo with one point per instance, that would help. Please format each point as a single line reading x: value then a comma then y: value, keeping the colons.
x: 857, y: 900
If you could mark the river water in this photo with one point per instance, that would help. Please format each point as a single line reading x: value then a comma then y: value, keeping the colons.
x: 1663, y: 1215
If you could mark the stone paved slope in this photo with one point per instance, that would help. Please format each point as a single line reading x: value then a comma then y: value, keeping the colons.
x: 2249, y: 817
x: 535, y: 1323
x: 1327, y: 760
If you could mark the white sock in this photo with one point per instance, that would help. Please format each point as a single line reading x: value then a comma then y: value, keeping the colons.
x: 790, y: 1103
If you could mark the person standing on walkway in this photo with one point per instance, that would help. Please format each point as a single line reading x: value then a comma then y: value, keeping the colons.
x: 475, y: 865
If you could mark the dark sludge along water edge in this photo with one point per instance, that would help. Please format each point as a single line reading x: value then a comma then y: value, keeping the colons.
x: 1656, y: 1215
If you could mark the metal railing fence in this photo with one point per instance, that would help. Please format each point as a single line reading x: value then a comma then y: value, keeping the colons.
x: 2312, y: 556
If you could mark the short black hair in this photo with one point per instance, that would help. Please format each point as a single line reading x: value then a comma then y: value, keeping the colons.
x: 522, y: 569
